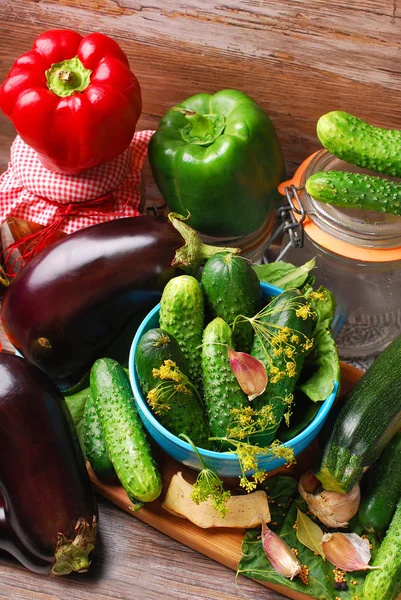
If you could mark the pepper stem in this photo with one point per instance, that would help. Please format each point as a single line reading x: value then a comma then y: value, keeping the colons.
x: 73, y: 555
x: 67, y: 77
x: 200, y: 129
x: 194, y: 252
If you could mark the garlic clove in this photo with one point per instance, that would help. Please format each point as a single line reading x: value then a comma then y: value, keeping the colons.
x: 249, y: 372
x: 331, y: 508
x: 280, y: 555
x: 347, y: 551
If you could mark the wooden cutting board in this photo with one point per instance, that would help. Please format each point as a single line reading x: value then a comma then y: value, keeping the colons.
x: 222, y: 545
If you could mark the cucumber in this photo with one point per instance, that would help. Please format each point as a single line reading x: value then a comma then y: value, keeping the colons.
x: 360, y: 143
x: 176, y: 404
x: 95, y: 446
x: 369, y: 418
x: 283, y: 359
x: 382, y: 489
x: 232, y: 288
x: 182, y: 313
x: 125, y: 437
x: 385, y: 583
x: 222, y: 391
x: 154, y: 347
x: 354, y: 190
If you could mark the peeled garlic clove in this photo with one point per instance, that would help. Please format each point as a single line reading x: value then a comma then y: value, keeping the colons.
x: 331, y: 508
x: 280, y: 555
x: 347, y: 551
x: 249, y: 372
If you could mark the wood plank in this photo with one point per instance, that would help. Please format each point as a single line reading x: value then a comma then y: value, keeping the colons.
x: 298, y: 59
x: 221, y: 545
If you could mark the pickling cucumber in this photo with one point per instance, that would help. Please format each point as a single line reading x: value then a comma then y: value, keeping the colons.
x: 381, y: 489
x: 369, y: 419
x: 222, y: 391
x: 282, y: 341
x: 232, y: 288
x: 354, y: 190
x: 95, y: 446
x: 360, y: 143
x: 172, y: 397
x: 385, y: 583
x: 182, y: 313
x: 124, y: 434
x: 154, y: 347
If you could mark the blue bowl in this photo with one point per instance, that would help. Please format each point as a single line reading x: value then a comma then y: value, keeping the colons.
x: 225, y: 464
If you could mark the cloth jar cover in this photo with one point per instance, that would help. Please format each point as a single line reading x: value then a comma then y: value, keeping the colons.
x: 112, y: 190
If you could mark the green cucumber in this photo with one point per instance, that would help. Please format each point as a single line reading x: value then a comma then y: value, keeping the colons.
x: 354, y: 190
x: 175, y: 403
x: 369, y: 418
x: 282, y: 341
x: 95, y: 446
x: 182, y: 313
x: 385, y: 583
x: 222, y: 391
x: 124, y: 434
x: 154, y: 347
x: 381, y: 489
x: 232, y: 288
x: 360, y: 143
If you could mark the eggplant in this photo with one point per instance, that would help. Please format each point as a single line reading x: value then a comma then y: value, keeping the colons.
x: 75, y: 298
x: 48, y: 512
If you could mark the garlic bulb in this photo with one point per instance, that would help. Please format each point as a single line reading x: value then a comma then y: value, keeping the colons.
x: 331, y: 508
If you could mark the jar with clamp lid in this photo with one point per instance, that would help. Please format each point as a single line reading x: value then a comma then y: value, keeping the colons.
x: 358, y: 257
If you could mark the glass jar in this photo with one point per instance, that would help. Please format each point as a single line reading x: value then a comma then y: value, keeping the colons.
x: 252, y: 246
x: 358, y: 257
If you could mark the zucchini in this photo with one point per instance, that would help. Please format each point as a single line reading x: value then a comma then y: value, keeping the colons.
x: 369, y: 418
x: 354, y: 190
x: 154, y: 347
x: 182, y: 313
x: 360, y: 143
x: 222, y: 391
x: 95, y: 446
x: 232, y: 288
x: 384, y: 583
x: 282, y: 341
x: 382, y: 489
x: 125, y: 437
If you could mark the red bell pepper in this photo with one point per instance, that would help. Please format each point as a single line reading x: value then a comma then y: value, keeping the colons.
x: 73, y: 99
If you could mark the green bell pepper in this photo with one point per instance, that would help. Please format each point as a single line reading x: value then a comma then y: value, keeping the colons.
x: 218, y: 157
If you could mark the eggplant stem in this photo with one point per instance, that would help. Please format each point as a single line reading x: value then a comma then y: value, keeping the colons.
x: 73, y: 555
x: 194, y: 252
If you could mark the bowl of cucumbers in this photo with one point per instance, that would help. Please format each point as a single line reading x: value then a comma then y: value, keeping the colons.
x: 183, y: 381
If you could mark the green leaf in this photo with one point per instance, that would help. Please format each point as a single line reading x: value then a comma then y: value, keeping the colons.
x: 323, y: 304
x: 280, y: 491
x: 76, y: 405
x: 255, y: 564
x: 321, y: 368
x: 309, y: 533
x: 284, y: 275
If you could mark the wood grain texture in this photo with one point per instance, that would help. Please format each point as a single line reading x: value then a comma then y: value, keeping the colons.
x: 297, y: 58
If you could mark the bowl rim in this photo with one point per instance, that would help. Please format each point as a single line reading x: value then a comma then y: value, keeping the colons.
x: 212, y: 454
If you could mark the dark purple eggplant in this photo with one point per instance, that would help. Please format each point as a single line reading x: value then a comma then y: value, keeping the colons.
x: 71, y: 302
x: 48, y: 513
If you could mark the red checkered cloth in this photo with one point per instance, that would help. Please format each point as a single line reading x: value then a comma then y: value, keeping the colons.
x: 106, y: 192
